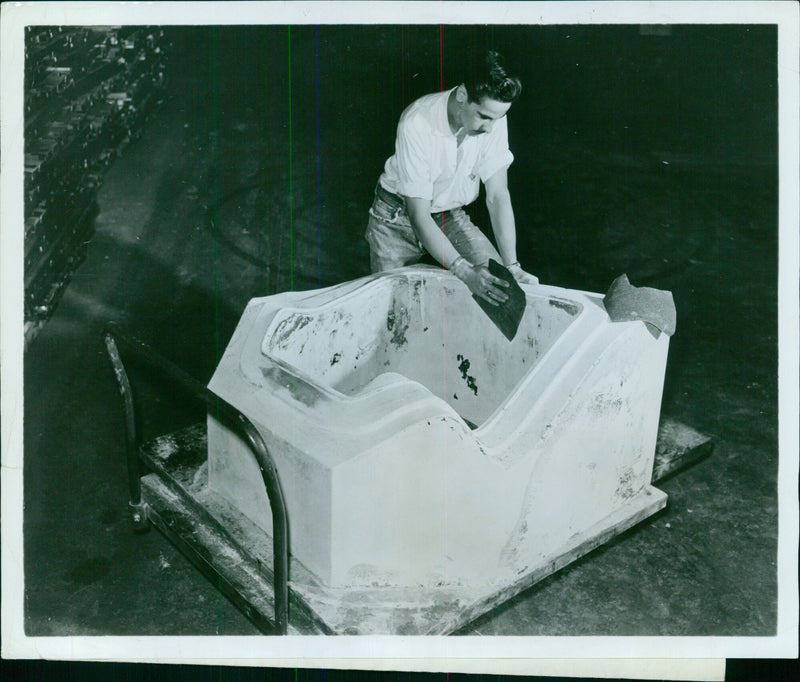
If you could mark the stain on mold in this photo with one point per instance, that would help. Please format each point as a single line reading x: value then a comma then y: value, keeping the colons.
x: 606, y: 405
x: 300, y: 390
x: 397, y: 322
x: 336, y: 357
x: 627, y: 487
x: 566, y: 306
x: 463, y: 367
x: 287, y: 327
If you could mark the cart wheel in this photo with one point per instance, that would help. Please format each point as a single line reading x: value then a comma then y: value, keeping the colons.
x: 138, y: 517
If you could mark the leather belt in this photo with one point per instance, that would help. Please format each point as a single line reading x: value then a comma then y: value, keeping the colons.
x: 389, y: 197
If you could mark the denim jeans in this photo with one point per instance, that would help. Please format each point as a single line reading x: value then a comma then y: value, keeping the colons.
x: 393, y: 242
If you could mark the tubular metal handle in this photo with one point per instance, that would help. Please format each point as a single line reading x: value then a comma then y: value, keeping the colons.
x: 229, y: 415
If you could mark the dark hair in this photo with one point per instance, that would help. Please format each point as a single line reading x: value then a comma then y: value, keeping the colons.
x: 490, y: 78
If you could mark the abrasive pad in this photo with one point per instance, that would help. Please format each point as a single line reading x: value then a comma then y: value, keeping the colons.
x: 506, y: 316
x: 654, y: 307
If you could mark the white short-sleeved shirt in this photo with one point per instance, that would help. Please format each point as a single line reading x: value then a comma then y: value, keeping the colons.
x: 429, y: 163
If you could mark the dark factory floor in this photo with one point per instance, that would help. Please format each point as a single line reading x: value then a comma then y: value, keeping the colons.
x: 255, y: 176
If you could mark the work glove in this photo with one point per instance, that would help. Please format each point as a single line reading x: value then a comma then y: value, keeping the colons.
x: 521, y: 276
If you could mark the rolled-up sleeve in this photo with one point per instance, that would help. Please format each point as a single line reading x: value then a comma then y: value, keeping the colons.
x: 413, y: 165
x: 495, y: 154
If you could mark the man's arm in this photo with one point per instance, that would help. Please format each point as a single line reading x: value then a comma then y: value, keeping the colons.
x: 498, y: 201
x: 477, y: 278
x: 501, y: 213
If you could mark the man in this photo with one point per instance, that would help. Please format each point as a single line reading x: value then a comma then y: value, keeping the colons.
x: 446, y: 144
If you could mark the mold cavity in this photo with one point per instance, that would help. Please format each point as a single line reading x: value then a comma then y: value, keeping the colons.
x: 425, y: 328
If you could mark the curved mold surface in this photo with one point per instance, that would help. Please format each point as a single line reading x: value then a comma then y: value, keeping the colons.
x: 417, y: 445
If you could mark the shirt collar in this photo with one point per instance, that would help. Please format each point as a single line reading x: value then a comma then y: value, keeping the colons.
x: 443, y: 124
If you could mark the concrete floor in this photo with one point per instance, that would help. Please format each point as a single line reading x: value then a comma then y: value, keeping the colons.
x: 226, y: 196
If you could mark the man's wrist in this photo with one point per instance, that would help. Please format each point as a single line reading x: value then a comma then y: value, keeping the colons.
x: 455, y: 262
x: 458, y: 266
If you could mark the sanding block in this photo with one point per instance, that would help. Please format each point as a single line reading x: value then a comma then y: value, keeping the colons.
x: 508, y: 315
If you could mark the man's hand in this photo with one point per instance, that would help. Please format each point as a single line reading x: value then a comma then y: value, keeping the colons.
x: 521, y: 276
x: 481, y: 282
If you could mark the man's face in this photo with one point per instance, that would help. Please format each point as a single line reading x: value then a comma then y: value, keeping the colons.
x: 479, y: 117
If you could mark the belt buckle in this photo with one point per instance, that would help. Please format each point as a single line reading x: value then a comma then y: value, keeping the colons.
x: 391, y: 199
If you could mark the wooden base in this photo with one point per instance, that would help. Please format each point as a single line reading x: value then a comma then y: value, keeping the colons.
x: 237, y: 555
x: 678, y: 446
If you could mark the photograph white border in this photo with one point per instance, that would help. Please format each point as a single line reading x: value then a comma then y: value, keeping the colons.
x: 302, y: 650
